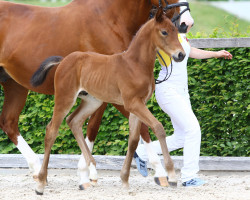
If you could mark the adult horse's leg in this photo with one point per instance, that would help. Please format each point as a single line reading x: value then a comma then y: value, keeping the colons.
x: 86, y: 168
x: 134, y: 135
x: 14, y: 100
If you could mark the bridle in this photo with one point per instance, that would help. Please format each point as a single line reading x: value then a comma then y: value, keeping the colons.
x: 170, y: 6
x: 174, y: 19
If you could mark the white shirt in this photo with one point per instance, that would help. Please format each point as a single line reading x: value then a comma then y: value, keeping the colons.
x: 178, y: 77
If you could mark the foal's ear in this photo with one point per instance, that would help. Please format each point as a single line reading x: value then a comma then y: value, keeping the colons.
x: 159, y: 15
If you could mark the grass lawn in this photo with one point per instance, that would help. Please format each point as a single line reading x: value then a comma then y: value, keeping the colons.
x: 42, y: 3
x: 208, y: 19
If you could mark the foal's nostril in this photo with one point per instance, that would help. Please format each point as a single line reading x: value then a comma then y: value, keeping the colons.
x: 181, y: 56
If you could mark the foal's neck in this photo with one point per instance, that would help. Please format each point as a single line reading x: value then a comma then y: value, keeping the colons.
x: 142, y: 50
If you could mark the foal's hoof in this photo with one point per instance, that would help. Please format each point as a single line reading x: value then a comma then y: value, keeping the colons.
x: 173, y: 184
x: 84, y: 186
x: 125, y: 186
x: 35, y: 177
x: 162, y: 181
x: 39, y: 193
x: 93, y: 182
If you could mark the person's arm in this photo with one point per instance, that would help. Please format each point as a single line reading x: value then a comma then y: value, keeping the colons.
x: 203, y: 54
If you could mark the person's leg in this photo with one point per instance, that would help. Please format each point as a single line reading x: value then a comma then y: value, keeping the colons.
x: 186, y: 130
x: 166, y: 100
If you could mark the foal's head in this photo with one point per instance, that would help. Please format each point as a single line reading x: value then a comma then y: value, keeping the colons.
x: 165, y: 37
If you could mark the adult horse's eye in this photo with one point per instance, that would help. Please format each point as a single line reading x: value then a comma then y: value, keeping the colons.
x: 164, y: 33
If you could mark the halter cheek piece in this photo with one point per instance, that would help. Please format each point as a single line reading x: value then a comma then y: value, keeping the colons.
x: 174, y: 19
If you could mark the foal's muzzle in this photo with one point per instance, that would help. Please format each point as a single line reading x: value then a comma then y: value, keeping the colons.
x: 179, y: 57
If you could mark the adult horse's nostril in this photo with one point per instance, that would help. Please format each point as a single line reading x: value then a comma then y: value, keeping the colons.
x: 183, y: 28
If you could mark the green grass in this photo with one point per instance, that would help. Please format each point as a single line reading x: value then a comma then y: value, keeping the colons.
x: 209, y: 21
x: 40, y: 3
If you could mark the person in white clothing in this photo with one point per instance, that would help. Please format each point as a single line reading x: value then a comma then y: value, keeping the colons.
x: 173, y: 98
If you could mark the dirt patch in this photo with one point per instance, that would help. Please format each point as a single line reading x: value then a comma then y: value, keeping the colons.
x: 63, y: 185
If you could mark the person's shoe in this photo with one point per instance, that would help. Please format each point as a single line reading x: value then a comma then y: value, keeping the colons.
x: 141, y: 165
x: 194, y: 182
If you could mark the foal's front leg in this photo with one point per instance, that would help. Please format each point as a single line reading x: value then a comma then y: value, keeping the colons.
x: 141, y: 111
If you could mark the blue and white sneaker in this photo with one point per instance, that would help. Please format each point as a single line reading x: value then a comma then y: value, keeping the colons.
x: 141, y: 165
x: 194, y: 182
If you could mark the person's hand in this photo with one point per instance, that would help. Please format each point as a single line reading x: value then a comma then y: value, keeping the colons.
x: 223, y: 53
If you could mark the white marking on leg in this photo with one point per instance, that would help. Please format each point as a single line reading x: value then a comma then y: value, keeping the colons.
x: 92, y: 172
x: 83, y: 171
x: 92, y: 169
x: 31, y: 158
x: 155, y: 160
x: 89, y: 144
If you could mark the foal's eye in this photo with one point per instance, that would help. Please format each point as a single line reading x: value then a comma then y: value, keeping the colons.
x: 164, y: 33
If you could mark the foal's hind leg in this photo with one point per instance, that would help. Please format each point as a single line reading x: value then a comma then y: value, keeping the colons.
x: 63, y: 104
x: 75, y: 122
x: 94, y: 123
x: 14, y: 100
x: 134, y: 135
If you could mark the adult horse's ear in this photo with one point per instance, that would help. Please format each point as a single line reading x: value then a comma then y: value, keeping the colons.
x: 159, y: 15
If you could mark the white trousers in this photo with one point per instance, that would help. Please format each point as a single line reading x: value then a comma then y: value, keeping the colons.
x: 187, y: 135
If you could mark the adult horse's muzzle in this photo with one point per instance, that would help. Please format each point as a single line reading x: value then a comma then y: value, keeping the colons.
x: 182, y: 20
x: 183, y: 23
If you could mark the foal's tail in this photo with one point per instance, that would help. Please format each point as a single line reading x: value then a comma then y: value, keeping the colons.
x: 40, y: 75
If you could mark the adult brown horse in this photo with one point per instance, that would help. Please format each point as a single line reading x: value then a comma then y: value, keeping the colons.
x: 124, y: 79
x: 29, y: 34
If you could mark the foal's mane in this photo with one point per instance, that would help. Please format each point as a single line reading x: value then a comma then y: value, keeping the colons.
x: 147, y: 28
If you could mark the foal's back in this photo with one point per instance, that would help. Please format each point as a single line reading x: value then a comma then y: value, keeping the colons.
x: 97, y: 74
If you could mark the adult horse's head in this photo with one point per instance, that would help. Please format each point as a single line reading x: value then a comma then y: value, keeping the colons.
x: 165, y: 37
x: 184, y: 20
x: 178, y: 11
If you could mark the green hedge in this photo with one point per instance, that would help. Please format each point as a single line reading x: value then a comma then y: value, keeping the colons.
x: 219, y: 91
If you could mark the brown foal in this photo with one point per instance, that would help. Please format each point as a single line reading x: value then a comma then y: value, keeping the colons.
x: 125, y: 79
